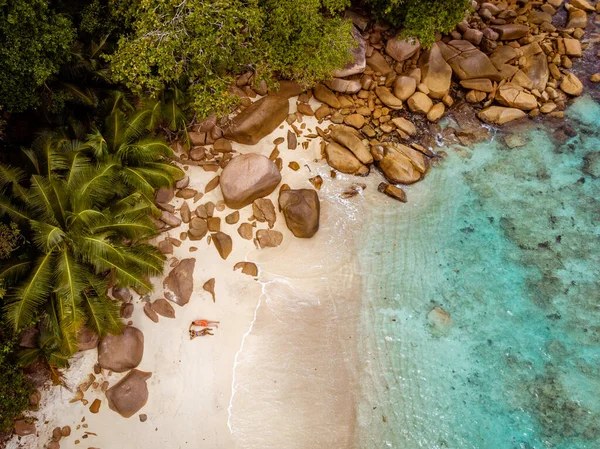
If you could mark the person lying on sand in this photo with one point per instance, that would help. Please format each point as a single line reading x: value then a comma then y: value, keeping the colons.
x: 204, y: 323
x: 200, y: 333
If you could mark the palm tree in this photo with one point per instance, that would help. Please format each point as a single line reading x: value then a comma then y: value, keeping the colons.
x: 86, y: 208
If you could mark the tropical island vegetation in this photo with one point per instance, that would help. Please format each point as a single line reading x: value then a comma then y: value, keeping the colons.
x: 92, y: 94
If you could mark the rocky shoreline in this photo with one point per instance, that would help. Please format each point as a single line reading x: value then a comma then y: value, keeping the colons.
x: 509, y: 62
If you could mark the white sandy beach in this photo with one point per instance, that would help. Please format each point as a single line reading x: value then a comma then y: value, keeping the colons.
x: 280, y: 370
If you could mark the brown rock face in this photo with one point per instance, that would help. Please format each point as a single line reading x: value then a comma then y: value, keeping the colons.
x: 248, y: 177
x: 163, y: 308
x: 223, y: 243
x: 359, y: 61
x: 378, y: 63
x: 324, y: 95
x: 388, y: 98
x: 179, y: 284
x: 536, y: 69
x: 130, y: 394
x: 343, y: 160
x: 86, y: 339
x: 258, y: 119
x: 515, y: 96
x: 571, y: 85
x: 467, y: 61
x: 301, y: 209
x: 245, y: 231
x: 398, y: 168
x: 436, y: 74
x: 120, y: 353
x: 264, y: 211
x: 353, y: 143
x: 404, y: 87
x: 150, y: 313
x: 511, y: 31
x: 267, y: 238
x: 248, y: 268
x: 401, y: 50
x: 420, y: 103
x: 498, y: 115
x: 392, y: 191
x: 22, y: 428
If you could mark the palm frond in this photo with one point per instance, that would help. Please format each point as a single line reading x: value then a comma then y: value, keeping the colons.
x: 102, y: 314
x: 115, y: 130
x: 94, y: 186
x: 126, y: 274
x: 70, y: 282
x: 148, y: 257
x: 130, y: 227
x: 146, y: 180
x: 13, y: 176
x: 32, y: 157
x: 137, y: 125
x: 46, y: 236
x: 15, y: 212
x: 13, y: 270
x: 92, y: 246
x: 84, y: 95
x: 26, y: 299
x: 145, y: 150
x: 41, y: 199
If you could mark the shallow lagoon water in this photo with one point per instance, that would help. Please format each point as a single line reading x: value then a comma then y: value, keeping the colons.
x: 508, y: 242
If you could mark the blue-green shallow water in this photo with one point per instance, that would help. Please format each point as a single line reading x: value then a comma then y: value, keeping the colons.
x: 507, y: 241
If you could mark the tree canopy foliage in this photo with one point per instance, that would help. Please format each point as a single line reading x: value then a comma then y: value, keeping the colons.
x: 421, y: 19
x: 207, y: 42
x: 34, y: 41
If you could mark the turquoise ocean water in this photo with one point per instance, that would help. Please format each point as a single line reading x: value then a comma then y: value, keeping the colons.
x: 507, y: 241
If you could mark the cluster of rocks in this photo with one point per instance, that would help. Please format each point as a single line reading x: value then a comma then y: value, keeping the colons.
x: 507, y: 61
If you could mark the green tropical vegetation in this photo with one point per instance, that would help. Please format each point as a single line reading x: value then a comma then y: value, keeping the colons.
x: 92, y: 92
x: 421, y: 19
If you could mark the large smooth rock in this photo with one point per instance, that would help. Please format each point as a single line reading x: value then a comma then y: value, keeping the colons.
x: 498, y: 115
x: 87, y: 339
x: 536, y: 68
x: 358, y: 64
x: 163, y: 308
x: 120, y: 353
x: 324, y: 95
x: 467, y: 61
x: 179, y: 284
x: 248, y: 177
x: 388, y: 98
x: 571, y: 85
x: 398, y: 168
x: 420, y: 103
x: 130, y: 394
x: 436, y: 73
x: 401, y: 50
x: 301, y: 209
x: 404, y: 87
x: 259, y: 119
x: 344, y: 160
x: 419, y: 161
x: 378, y: 63
x: 353, y: 143
x: 514, y: 96
x: 268, y: 238
x: 344, y: 86
x: 223, y: 243
x: 23, y: 427
x: 511, y: 31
